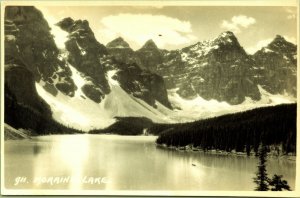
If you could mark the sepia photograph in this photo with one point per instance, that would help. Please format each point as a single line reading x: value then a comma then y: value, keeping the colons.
x: 149, y: 98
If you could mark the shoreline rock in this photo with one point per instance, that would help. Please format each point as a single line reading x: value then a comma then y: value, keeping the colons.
x: 11, y: 133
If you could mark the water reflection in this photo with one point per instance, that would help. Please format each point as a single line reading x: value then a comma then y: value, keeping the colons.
x: 36, y: 149
x: 128, y: 163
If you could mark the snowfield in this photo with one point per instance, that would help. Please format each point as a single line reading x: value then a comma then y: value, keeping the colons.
x: 82, y: 113
x: 199, y: 108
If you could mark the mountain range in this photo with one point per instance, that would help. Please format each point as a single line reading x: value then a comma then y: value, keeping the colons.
x: 86, y: 84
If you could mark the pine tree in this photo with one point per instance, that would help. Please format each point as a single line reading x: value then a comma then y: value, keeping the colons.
x: 261, y: 178
x: 278, y: 184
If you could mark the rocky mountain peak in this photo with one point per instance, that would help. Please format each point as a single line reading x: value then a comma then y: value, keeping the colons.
x: 118, y: 43
x: 35, y: 49
x: 150, y: 44
x: 280, y: 44
x: 69, y: 25
x: 277, y: 63
x: 227, y: 38
x: 279, y: 38
x: 65, y: 24
x: 83, y: 53
x: 149, y: 56
x: 227, y: 34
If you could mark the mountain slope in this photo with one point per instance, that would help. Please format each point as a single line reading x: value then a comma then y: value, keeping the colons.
x: 149, y: 56
x: 93, y: 60
x: 36, y: 49
x: 25, y: 54
x: 42, y: 77
x: 84, y: 53
x: 276, y: 67
x: 122, y: 52
x: 216, y: 69
x: 220, y: 69
x: 84, y: 84
x: 83, y: 113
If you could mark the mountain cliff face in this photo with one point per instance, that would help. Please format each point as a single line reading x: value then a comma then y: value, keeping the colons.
x: 122, y: 52
x: 32, y: 59
x: 150, y: 56
x: 217, y: 69
x: 221, y: 69
x: 21, y: 71
x: 28, y: 39
x: 93, y: 82
x: 276, y: 67
x: 93, y: 60
x: 84, y: 53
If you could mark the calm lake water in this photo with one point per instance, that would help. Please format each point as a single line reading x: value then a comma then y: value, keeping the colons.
x: 111, y: 162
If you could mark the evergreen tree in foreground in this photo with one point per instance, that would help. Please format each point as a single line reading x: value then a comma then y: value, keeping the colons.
x: 261, y: 178
x: 278, y: 184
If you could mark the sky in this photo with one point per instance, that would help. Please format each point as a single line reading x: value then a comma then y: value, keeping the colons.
x: 175, y: 27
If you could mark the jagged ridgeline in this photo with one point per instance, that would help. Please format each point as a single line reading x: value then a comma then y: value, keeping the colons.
x: 219, y: 68
x: 33, y: 60
x: 86, y: 84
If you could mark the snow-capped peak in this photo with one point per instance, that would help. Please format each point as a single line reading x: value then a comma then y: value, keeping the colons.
x: 226, y: 38
x: 226, y: 34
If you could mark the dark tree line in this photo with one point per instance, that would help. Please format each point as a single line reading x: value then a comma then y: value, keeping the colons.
x: 241, y: 132
x: 126, y: 126
x: 22, y: 116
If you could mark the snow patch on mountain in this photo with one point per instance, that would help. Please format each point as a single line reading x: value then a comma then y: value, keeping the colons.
x: 199, y: 108
x: 79, y: 111
x: 112, y: 82
x: 120, y: 103
x: 275, y: 99
x: 60, y: 36
x: 82, y: 113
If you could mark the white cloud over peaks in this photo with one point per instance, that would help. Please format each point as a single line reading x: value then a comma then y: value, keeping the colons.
x: 139, y: 28
x: 238, y: 22
x: 260, y: 44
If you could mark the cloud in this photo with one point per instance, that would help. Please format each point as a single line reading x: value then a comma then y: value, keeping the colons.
x: 238, y: 22
x: 260, y: 44
x: 138, y: 28
x: 263, y: 43
x: 291, y: 14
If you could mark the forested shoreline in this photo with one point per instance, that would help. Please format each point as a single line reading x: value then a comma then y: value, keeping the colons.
x: 126, y: 126
x: 241, y: 132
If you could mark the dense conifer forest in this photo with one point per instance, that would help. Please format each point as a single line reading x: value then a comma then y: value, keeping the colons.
x: 126, y: 126
x: 242, y: 132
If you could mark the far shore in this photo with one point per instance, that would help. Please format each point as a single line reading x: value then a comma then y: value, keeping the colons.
x: 189, y: 148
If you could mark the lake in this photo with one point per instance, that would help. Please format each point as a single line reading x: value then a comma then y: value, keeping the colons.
x: 111, y: 162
